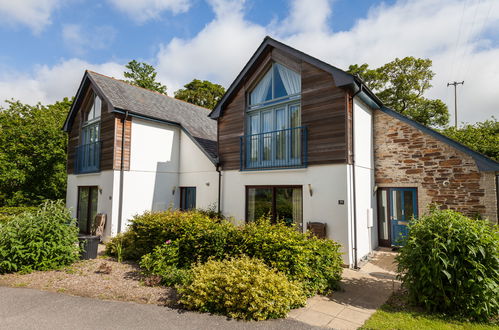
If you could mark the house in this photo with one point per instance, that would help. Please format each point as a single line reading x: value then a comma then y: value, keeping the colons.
x: 305, y: 141
x: 131, y: 150
x: 294, y: 138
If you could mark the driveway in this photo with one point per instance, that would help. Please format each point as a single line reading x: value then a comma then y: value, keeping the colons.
x: 32, y: 309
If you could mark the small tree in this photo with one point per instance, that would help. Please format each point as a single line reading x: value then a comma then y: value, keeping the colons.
x: 143, y: 75
x: 401, y: 84
x: 482, y: 137
x: 203, y: 93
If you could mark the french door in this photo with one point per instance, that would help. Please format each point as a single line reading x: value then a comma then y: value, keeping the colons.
x: 396, y: 207
x: 87, y: 208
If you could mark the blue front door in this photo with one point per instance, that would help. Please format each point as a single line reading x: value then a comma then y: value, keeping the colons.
x: 403, y: 207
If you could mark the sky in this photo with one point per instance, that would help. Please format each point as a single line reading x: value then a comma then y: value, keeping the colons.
x: 47, y: 44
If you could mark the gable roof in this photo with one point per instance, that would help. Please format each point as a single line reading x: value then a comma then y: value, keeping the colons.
x: 340, y: 77
x: 482, y: 162
x: 147, y: 104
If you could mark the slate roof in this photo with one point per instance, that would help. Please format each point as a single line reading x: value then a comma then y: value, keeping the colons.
x: 140, y: 101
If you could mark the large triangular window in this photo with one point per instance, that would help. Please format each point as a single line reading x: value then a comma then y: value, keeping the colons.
x: 279, y: 83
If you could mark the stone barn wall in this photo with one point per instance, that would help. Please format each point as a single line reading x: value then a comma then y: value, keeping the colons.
x: 407, y: 157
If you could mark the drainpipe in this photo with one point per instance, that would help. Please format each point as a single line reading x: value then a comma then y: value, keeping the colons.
x: 355, y: 266
x: 122, y: 174
x: 219, y: 186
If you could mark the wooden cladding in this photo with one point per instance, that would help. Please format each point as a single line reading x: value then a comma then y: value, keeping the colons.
x: 110, y: 136
x: 323, y: 110
x: 118, y: 121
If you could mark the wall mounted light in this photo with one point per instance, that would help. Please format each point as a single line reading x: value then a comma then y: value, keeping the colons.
x: 173, y: 190
x: 310, y: 190
x: 207, y: 184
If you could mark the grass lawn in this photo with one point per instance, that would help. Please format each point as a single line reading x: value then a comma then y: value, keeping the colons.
x: 397, y: 314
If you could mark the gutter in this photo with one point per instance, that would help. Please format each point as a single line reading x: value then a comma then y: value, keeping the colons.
x: 122, y: 174
x: 218, y: 168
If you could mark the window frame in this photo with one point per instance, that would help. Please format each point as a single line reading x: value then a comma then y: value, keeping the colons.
x: 273, y: 187
x: 182, y: 198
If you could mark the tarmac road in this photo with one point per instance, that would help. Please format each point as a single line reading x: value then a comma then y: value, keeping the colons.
x: 33, y: 309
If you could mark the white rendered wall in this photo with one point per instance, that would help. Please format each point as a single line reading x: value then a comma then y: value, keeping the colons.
x: 106, y: 203
x: 328, y: 183
x: 367, y: 233
x: 197, y: 170
x: 151, y: 184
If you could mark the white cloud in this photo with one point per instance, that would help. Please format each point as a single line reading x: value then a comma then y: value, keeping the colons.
x: 33, y: 13
x: 50, y: 84
x: 82, y: 39
x: 423, y: 28
x: 144, y: 10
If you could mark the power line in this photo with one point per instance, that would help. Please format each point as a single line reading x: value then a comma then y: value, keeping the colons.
x: 455, y: 83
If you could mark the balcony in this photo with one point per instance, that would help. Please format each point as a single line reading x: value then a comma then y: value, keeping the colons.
x: 280, y: 149
x: 88, y: 158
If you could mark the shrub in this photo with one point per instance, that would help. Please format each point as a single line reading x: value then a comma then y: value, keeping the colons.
x: 8, y: 212
x: 241, y: 288
x: 164, y: 262
x: 315, y: 262
x: 450, y: 264
x: 148, y: 230
x: 41, y: 240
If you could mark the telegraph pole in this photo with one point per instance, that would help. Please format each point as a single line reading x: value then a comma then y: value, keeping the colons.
x: 455, y: 83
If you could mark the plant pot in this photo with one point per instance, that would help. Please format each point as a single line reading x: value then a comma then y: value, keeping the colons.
x: 88, y: 245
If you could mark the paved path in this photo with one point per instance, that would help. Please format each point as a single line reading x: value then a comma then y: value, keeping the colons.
x: 363, y: 292
x: 32, y: 309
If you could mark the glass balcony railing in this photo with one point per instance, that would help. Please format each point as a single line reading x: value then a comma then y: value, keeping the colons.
x: 88, y: 158
x: 285, y: 148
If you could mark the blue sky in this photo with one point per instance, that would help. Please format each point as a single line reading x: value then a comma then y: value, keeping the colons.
x: 47, y: 44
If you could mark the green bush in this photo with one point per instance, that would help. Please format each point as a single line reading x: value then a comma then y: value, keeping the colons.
x: 8, y: 212
x: 164, y: 262
x: 241, y: 288
x: 41, y: 240
x: 149, y: 230
x: 314, y: 262
x: 450, y: 264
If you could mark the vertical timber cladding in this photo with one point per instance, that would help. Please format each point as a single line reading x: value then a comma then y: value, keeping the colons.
x: 118, y: 121
x: 324, y: 112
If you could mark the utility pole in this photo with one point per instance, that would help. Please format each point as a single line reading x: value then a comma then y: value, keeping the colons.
x: 455, y: 83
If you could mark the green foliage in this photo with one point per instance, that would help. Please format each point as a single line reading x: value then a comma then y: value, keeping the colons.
x: 401, y: 84
x: 164, y: 261
x: 450, y: 264
x: 143, y: 75
x: 32, y: 153
x: 482, y: 137
x: 242, y: 288
x: 203, y: 93
x: 8, y: 212
x: 41, y: 240
x: 314, y: 262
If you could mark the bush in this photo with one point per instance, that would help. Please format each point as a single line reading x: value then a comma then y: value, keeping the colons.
x: 450, y: 264
x: 41, y: 240
x: 315, y: 262
x: 241, y: 288
x: 8, y: 212
x: 152, y: 229
x: 164, y: 262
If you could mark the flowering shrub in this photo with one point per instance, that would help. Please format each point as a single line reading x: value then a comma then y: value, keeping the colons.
x: 241, y: 288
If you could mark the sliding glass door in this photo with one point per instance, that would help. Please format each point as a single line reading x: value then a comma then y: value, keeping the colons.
x: 87, y: 208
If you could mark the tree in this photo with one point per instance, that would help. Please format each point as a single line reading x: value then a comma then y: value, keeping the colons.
x: 482, y: 137
x: 32, y: 153
x: 401, y: 85
x: 203, y: 93
x: 143, y: 75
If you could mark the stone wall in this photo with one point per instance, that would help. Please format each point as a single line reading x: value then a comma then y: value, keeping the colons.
x: 407, y: 157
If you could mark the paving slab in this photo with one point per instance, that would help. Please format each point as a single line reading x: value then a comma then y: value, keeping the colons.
x: 362, y: 292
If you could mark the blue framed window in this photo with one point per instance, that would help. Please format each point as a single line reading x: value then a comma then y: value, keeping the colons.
x: 274, y: 136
